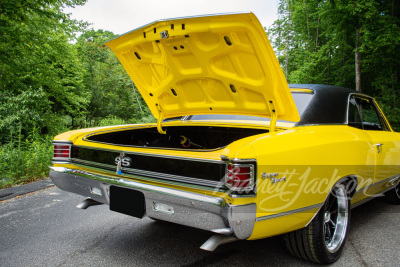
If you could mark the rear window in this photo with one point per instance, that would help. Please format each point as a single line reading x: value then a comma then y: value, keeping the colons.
x: 301, y: 99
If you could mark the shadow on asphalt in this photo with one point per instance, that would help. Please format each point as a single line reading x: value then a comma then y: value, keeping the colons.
x: 170, y: 241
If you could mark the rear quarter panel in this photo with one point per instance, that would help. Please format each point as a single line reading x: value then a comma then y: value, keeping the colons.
x: 309, y: 160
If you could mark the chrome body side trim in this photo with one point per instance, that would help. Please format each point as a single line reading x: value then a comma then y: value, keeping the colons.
x: 376, y: 195
x: 277, y: 215
x: 391, y: 180
x: 191, y: 209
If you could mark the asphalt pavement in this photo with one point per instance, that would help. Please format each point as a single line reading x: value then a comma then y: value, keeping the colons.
x: 43, y: 228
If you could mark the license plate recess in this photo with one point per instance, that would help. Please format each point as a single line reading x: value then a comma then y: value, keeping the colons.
x: 127, y: 201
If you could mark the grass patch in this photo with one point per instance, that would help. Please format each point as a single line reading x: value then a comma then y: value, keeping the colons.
x: 27, y: 159
x: 24, y: 161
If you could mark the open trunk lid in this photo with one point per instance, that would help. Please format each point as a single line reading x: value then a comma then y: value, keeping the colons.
x: 216, y: 64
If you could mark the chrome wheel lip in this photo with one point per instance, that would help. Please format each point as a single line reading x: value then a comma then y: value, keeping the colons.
x: 339, y: 221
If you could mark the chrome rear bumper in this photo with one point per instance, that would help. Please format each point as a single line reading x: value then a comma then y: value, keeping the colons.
x: 200, y: 211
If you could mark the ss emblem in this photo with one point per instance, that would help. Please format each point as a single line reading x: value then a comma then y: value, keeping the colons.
x: 123, y: 161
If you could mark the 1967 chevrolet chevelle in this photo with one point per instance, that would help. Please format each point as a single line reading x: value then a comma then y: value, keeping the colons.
x: 236, y: 150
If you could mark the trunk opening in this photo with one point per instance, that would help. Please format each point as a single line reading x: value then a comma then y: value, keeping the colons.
x: 177, y: 137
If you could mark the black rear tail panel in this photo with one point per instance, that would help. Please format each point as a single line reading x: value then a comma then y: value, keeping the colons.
x: 194, y: 171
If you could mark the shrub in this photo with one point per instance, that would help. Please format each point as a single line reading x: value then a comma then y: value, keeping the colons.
x: 25, y: 159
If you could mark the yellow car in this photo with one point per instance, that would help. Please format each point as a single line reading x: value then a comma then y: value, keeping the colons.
x: 236, y: 150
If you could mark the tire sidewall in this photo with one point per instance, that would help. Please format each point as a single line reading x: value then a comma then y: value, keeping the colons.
x: 323, y: 254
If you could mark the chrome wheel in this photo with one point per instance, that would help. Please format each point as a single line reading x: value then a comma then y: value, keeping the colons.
x: 336, y: 219
x: 322, y: 241
x: 397, y: 189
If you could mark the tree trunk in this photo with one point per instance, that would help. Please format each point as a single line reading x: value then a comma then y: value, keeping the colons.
x: 342, y: 63
x: 358, y: 61
x: 316, y: 38
x: 329, y: 65
x: 308, y: 27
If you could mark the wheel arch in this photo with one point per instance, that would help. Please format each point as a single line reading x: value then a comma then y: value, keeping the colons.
x: 350, y: 182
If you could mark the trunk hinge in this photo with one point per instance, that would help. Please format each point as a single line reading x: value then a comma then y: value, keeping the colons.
x: 159, y: 121
x: 274, y: 117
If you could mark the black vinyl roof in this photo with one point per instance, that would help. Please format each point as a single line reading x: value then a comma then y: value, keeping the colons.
x: 327, y: 106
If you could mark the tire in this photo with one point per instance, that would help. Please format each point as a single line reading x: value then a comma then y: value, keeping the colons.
x: 322, y: 241
x: 393, y: 195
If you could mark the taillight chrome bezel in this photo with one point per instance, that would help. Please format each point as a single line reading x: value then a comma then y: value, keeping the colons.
x: 250, y: 189
x: 59, y: 154
x: 234, y: 172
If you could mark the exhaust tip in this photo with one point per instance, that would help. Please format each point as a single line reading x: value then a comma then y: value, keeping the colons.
x: 216, y: 240
x: 87, y: 203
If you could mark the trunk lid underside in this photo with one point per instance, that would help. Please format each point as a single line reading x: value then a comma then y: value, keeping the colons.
x: 220, y: 64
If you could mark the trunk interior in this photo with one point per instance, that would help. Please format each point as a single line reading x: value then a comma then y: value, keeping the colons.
x: 177, y: 137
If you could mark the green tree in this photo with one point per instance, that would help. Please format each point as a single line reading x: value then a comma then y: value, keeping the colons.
x: 112, y: 92
x: 41, y: 78
x: 52, y: 81
x: 350, y: 43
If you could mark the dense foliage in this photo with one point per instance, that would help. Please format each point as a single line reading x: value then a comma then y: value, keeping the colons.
x: 41, y: 75
x: 52, y: 81
x: 113, y: 96
x: 350, y: 43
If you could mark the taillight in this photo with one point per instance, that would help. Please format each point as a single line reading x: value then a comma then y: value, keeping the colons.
x: 239, y: 176
x: 62, y: 151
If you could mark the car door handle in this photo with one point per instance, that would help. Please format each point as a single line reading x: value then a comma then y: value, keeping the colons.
x: 379, y: 147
